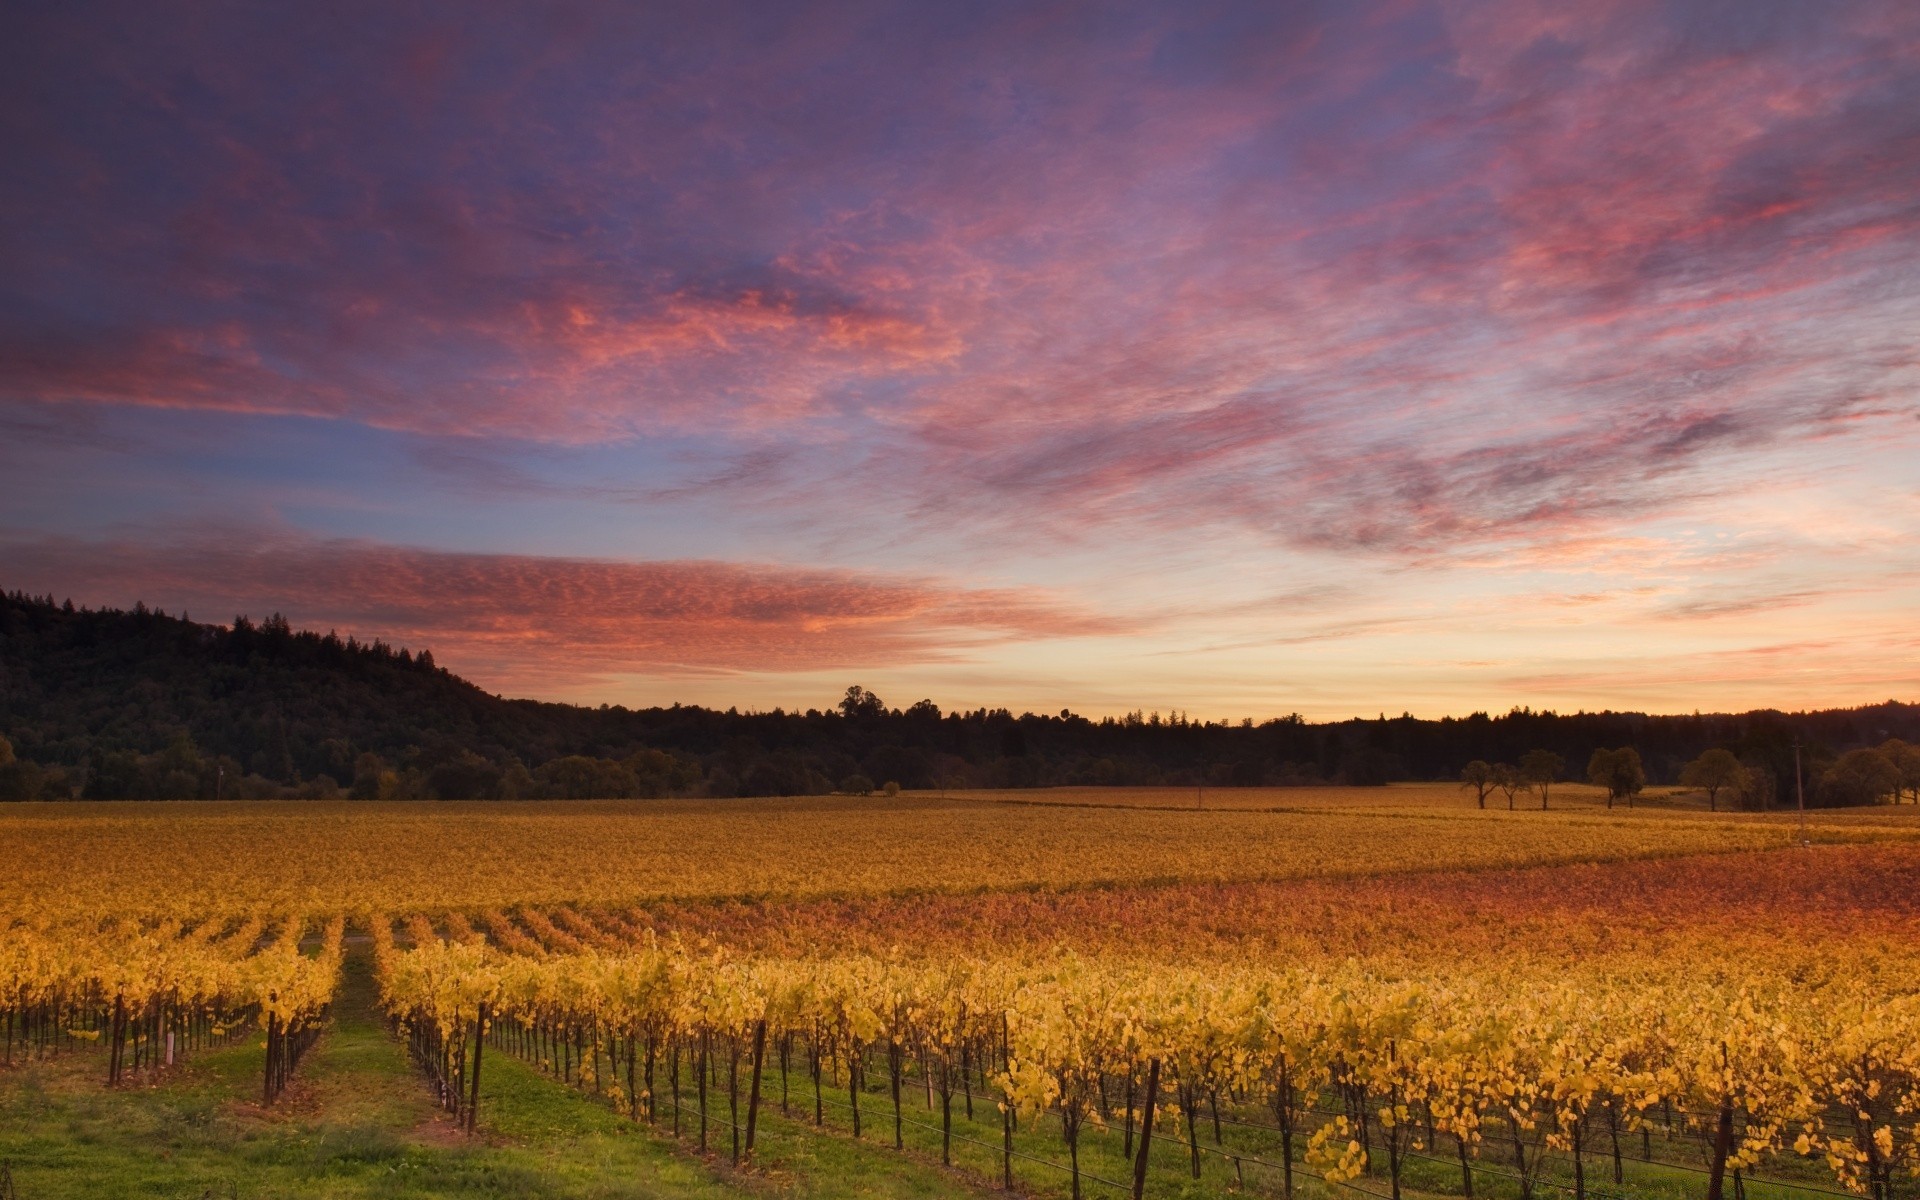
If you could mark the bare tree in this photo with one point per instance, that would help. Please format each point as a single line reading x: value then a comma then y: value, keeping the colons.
x: 1540, y: 768
x: 1508, y: 779
x: 1478, y: 775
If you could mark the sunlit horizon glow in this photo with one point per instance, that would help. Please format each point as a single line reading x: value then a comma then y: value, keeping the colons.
x: 1232, y: 358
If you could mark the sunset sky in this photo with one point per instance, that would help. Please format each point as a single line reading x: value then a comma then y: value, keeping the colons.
x: 1239, y: 358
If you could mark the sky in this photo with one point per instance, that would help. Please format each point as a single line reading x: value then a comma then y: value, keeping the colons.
x: 1232, y: 358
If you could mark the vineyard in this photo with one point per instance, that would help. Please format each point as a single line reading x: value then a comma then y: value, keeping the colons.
x: 1617, y: 1006
x: 188, y: 860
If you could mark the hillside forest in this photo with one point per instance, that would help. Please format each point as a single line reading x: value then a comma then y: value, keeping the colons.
x: 139, y: 704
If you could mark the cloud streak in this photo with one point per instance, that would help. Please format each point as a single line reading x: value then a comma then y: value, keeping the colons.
x: 520, y: 623
x: 1345, y: 295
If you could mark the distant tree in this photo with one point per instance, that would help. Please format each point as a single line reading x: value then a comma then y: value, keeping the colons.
x: 372, y: 778
x: 1509, y: 780
x: 860, y: 703
x: 1859, y: 777
x: 579, y: 777
x: 176, y: 773
x: 320, y: 787
x: 1618, y: 771
x: 1713, y: 772
x: 466, y: 777
x: 1755, y: 787
x: 891, y: 788
x: 1478, y: 775
x: 1905, y: 758
x: 657, y: 773
x: 783, y: 774
x: 516, y: 782
x: 857, y: 785
x: 1369, y: 766
x: 1541, y: 768
x: 19, y: 779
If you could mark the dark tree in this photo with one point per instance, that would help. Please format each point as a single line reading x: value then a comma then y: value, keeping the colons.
x: 1713, y: 772
x: 1619, y: 771
x: 1541, y: 768
x: 1479, y: 776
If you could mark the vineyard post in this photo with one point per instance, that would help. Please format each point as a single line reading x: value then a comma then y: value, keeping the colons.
x: 1394, y: 1147
x: 786, y: 1058
x: 893, y: 1070
x: 1006, y: 1107
x: 273, y: 1037
x: 1283, y: 1111
x: 1188, y: 1100
x: 1613, y: 1134
x: 1722, y: 1146
x: 118, y: 1032
x: 1579, y: 1166
x: 1146, y: 1128
x: 813, y: 1064
x: 733, y: 1092
x: 1070, y: 1116
x: 700, y: 1076
x: 652, y: 1100
x: 853, y: 1083
x: 673, y: 1078
x: 479, y: 1040
x: 946, y: 1108
x: 966, y: 1073
x: 753, y: 1096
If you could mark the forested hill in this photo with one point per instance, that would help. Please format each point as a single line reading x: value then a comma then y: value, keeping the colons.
x: 139, y: 704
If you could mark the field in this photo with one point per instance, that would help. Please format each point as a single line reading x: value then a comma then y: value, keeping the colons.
x: 1278, y: 992
x: 190, y: 860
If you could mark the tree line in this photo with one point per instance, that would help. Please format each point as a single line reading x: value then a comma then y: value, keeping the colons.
x: 1887, y: 773
x: 109, y: 703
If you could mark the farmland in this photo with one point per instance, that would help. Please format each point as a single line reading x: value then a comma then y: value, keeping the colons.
x: 194, y: 859
x: 1276, y: 992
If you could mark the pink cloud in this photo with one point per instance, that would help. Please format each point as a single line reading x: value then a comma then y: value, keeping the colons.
x: 1415, y: 282
x: 527, y: 624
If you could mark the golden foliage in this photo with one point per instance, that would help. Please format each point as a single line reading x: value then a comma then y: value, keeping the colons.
x: 188, y: 860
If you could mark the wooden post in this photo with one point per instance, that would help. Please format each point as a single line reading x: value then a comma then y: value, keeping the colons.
x: 701, y: 1077
x: 273, y: 1040
x: 1146, y: 1128
x: 479, y: 1040
x: 733, y: 1092
x: 1722, y: 1146
x: 893, y: 1069
x: 118, y: 1032
x: 1006, y: 1109
x: 753, y: 1094
x: 853, y: 1085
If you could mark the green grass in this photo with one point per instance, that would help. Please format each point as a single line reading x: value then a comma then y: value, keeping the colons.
x: 359, y: 1122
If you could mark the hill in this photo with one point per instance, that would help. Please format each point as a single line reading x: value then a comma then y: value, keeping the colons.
x: 109, y: 703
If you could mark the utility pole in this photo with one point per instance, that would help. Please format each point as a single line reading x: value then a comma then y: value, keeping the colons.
x: 1800, y: 794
